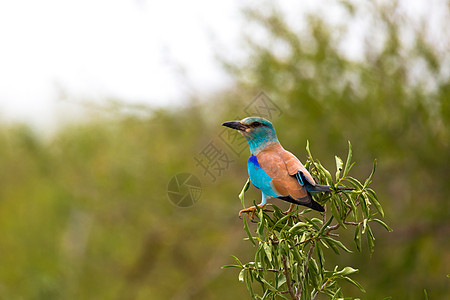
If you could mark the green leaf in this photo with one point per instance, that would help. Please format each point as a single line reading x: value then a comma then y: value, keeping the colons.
x: 346, y: 271
x: 351, y: 202
x: 354, y: 283
x: 335, y: 212
x: 325, y: 172
x: 268, y: 251
x: 373, y: 196
x: 336, y: 294
x: 281, y: 248
x: 303, y: 238
x: 320, y: 257
x: 308, y: 151
x: 317, y: 221
x: 313, y: 271
x: 248, y: 282
x: 271, y: 287
x: 337, y: 243
x: 280, y: 279
x: 258, y: 255
x: 369, y: 180
x: 348, y: 166
x: 241, y: 275
x: 357, y: 237
x: 313, y: 268
x: 364, y: 226
x: 238, y: 261
x: 324, y: 244
x: 382, y: 224
x: 370, y: 240
x: 230, y: 266
x: 250, y: 237
x: 278, y: 213
x: 297, y: 226
x: 425, y: 294
x: 313, y: 223
x: 296, y: 254
x: 364, y: 207
x: 339, y: 165
x: 282, y: 219
x: 325, y: 226
x: 260, y: 229
x: 331, y: 244
x: 244, y: 189
x: 355, y: 182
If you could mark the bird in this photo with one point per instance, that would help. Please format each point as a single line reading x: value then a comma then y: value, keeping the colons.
x: 275, y: 171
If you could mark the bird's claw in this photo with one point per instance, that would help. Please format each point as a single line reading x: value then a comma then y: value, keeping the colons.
x: 291, y: 208
x: 252, y: 211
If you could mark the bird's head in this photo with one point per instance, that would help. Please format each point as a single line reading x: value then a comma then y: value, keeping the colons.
x: 259, y: 132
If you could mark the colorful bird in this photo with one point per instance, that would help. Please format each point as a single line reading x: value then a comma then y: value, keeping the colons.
x: 274, y: 170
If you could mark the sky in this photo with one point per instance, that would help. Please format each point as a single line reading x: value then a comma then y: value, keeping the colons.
x: 138, y: 51
x: 144, y: 52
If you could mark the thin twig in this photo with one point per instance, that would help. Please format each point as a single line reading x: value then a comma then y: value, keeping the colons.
x: 288, y: 278
x: 259, y: 269
x: 357, y: 199
x: 273, y: 270
x: 321, y: 289
x: 305, y: 268
x: 352, y: 223
x: 305, y: 241
x: 336, y: 226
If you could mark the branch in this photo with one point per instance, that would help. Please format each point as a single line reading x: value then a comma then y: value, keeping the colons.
x: 305, y: 241
x: 288, y: 278
x: 305, y: 268
x: 334, y: 227
x: 259, y: 269
x: 321, y: 289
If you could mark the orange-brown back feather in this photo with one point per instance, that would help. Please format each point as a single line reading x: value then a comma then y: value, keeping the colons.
x: 281, y: 165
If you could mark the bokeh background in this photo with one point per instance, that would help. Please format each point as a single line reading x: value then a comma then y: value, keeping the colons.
x: 84, y: 206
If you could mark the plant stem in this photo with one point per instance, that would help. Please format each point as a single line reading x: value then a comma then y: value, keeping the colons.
x: 321, y: 289
x: 288, y: 278
x: 305, y: 268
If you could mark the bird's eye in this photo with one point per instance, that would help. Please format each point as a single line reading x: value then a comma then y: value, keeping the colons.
x: 256, y: 124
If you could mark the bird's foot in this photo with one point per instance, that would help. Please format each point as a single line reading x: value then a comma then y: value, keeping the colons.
x: 291, y: 208
x: 250, y: 210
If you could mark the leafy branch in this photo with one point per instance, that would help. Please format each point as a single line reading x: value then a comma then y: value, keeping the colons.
x: 289, y: 262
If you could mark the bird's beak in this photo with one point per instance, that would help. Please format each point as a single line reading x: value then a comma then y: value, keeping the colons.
x: 235, y: 125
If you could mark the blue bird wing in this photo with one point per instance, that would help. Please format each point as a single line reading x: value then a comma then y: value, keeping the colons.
x: 260, y: 178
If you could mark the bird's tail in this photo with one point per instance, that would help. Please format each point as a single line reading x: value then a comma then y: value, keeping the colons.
x: 345, y: 188
x: 316, y: 188
x: 306, y: 201
x: 325, y: 188
x: 316, y: 206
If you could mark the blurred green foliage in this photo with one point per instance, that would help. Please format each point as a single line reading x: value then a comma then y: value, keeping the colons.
x: 84, y: 214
